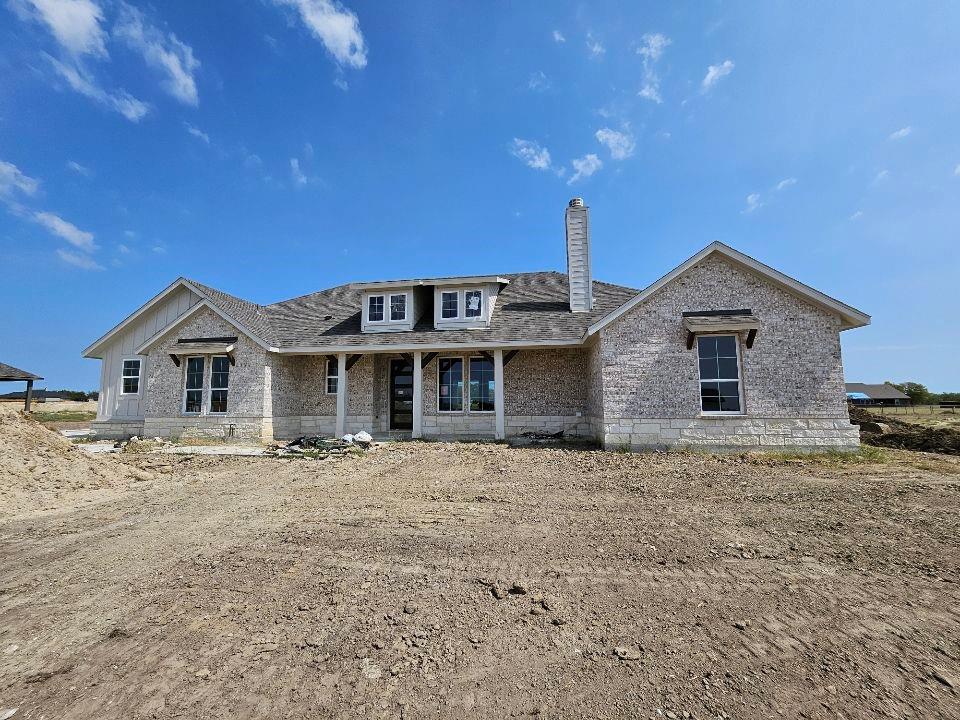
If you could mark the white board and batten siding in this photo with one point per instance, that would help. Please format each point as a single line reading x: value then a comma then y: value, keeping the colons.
x: 113, y: 405
x: 578, y: 257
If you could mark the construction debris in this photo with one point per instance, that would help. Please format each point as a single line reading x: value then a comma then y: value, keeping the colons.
x: 317, y: 446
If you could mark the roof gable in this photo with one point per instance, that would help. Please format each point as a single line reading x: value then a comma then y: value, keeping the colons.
x: 850, y: 316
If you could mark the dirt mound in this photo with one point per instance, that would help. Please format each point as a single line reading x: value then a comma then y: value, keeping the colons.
x: 37, y: 464
x: 904, y: 435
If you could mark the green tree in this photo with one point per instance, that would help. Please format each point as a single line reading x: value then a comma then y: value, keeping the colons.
x: 919, y: 395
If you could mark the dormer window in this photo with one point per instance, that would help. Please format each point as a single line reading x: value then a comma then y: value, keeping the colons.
x: 473, y: 303
x: 375, y: 309
x: 398, y: 307
x: 449, y: 305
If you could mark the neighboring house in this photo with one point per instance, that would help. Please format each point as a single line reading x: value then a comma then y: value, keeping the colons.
x: 870, y: 394
x: 722, y: 352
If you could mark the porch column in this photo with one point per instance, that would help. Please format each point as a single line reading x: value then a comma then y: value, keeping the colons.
x: 29, y: 396
x: 500, y: 433
x: 341, y: 395
x: 417, y: 395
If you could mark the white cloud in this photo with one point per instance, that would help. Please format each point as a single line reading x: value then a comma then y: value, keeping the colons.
x: 595, y: 47
x: 122, y: 102
x: 857, y: 215
x: 296, y: 173
x: 538, y: 82
x: 531, y: 153
x: 340, y: 83
x: 753, y: 203
x: 12, y: 179
x: 901, y: 133
x: 584, y: 167
x: 197, y: 132
x: 162, y: 51
x: 84, y: 262
x: 715, y: 72
x: 786, y: 182
x: 881, y: 176
x: 74, y: 23
x: 621, y: 145
x: 66, y: 230
x: 956, y: 171
x: 78, y: 168
x: 123, y: 249
x: 651, y: 50
x: 558, y: 37
x: 335, y: 26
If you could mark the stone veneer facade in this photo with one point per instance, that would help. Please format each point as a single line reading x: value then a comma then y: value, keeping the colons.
x: 634, y: 385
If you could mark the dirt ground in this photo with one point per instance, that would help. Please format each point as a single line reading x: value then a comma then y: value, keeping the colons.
x: 472, y: 580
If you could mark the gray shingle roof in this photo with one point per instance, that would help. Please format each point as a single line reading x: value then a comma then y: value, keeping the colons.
x: 882, y: 391
x: 533, y: 307
x: 8, y: 372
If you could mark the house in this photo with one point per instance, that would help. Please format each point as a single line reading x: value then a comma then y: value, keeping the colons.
x: 874, y: 394
x: 722, y: 352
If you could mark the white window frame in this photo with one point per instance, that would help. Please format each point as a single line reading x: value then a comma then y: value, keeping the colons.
x: 139, y: 376
x: 406, y: 307
x: 210, y: 409
x: 450, y: 412
x: 328, y: 377
x: 203, y: 382
x: 467, y: 383
x: 385, y: 308
x: 456, y: 295
x: 739, y: 379
x: 481, y: 316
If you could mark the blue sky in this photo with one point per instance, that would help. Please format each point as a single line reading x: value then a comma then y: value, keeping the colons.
x: 276, y: 147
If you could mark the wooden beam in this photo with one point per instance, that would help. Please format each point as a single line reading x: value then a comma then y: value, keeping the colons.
x: 509, y: 356
x: 407, y: 356
x: 690, y: 337
x: 751, y: 336
x: 426, y: 359
x: 352, y: 360
x: 232, y: 359
x: 484, y: 354
x: 26, y: 404
x: 176, y: 359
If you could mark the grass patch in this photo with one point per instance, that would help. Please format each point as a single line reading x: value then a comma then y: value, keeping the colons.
x: 866, y: 455
x: 63, y: 416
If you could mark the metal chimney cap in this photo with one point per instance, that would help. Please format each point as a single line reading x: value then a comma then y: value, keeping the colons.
x: 576, y: 202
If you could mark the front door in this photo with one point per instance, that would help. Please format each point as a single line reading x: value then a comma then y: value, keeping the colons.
x: 401, y: 395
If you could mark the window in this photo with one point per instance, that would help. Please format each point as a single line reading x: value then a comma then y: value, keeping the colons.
x: 449, y: 305
x: 131, y: 377
x: 719, y: 374
x: 450, y: 385
x: 193, y: 399
x: 333, y: 374
x: 473, y: 302
x: 219, y: 383
x: 481, y: 385
x: 398, y: 307
x: 375, y: 308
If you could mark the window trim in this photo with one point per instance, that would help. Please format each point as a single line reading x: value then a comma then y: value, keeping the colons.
x: 383, y: 308
x: 439, y: 374
x: 328, y: 377
x: 203, y: 382
x: 494, y: 368
x: 406, y: 307
x: 210, y: 410
x: 700, y: 381
x: 456, y: 295
x: 139, y: 376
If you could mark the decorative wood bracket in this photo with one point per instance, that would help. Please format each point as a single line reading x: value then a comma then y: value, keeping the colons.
x: 487, y: 356
x: 509, y: 356
x: 351, y: 361
x: 426, y: 359
x: 690, y: 337
x: 751, y: 336
x: 176, y: 360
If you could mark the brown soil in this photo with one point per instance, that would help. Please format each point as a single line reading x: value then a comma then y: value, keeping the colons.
x: 456, y: 581
x: 907, y: 435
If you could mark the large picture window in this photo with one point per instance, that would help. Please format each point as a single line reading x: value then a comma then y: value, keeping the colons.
x: 333, y: 376
x: 398, y: 307
x: 450, y: 385
x: 375, y: 308
x: 219, y: 383
x: 193, y: 396
x: 473, y: 303
x: 719, y: 374
x: 131, y: 377
x: 481, y: 385
x: 449, y: 307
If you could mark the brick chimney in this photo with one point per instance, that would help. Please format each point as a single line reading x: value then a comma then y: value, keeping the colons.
x: 578, y: 256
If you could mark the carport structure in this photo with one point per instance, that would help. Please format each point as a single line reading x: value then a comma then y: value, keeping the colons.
x: 8, y: 373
